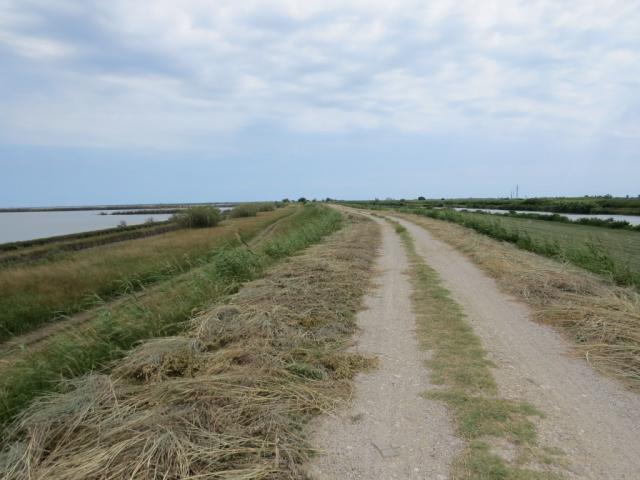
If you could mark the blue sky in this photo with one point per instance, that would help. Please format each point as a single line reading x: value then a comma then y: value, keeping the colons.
x: 163, y: 101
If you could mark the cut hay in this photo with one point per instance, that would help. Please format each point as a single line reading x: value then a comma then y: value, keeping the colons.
x: 228, y: 400
x: 601, y: 319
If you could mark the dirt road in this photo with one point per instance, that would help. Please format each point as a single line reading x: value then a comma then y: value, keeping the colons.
x: 390, y: 431
x: 591, y: 418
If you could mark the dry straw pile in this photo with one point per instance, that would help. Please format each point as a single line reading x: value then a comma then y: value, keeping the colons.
x: 228, y: 400
x: 601, y: 319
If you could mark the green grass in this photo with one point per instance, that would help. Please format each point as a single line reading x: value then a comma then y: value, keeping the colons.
x: 162, y: 312
x: 609, y: 252
x: 35, y: 294
x: 47, y: 249
x: 198, y: 217
x: 458, y: 364
x: 250, y: 209
x: 622, y: 245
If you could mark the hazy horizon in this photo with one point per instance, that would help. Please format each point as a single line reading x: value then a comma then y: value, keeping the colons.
x: 161, y: 102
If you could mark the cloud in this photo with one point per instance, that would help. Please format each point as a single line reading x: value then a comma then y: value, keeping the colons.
x: 170, y: 74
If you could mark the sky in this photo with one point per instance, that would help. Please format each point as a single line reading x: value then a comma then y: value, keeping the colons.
x: 163, y: 101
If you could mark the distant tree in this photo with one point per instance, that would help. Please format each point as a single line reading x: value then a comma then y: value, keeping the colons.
x: 302, y: 200
x: 328, y: 199
x: 421, y: 198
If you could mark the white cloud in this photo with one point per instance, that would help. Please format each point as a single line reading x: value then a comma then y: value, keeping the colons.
x: 174, y: 71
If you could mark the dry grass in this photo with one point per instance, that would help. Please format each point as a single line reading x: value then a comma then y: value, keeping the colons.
x: 33, y: 294
x: 228, y: 400
x: 601, y: 319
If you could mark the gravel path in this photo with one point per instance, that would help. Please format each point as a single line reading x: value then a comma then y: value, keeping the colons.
x: 591, y: 418
x: 390, y: 431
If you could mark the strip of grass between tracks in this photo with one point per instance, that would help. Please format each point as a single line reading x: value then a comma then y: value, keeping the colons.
x: 459, y: 366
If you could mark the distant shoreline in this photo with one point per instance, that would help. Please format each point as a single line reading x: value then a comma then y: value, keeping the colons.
x: 142, y: 206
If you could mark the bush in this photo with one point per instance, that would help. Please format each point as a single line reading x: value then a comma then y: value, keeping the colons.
x: 198, y: 217
x: 251, y: 209
x: 244, y: 210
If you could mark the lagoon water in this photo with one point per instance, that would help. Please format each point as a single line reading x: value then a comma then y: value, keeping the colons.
x: 632, y: 219
x: 18, y: 226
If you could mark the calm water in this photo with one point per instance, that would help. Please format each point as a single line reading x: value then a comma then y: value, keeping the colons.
x: 632, y: 219
x: 17, y: 226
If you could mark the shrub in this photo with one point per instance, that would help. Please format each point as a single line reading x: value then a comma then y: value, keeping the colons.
x: 244, y: 210
x: 198, y: 217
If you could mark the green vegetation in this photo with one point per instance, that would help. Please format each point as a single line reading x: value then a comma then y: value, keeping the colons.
x: 555, y: 217
x: 163, y: 311
x: 231, y: 396
x: 458, y: 363
x: 33, y: 294
x: 613, y: 253
x: 55, y: 247
x: 250, y: 209
x: 198, y: 217
x: 595, y: 204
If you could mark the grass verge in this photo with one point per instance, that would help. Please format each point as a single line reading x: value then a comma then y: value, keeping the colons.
x: 34, y: 294
x: 458, y: 364
x: 229, y: 398
x: 612, y: 253
x: 600, y: 319
x: 50, y: 248
x: 112, y: 332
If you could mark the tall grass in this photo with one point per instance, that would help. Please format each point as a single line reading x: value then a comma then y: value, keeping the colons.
x: 35, y: 294
x: 56, y: 248
x: 591, y: 256
x: 161, y: 312
x: 198, y: 217
x: 251, y: 209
